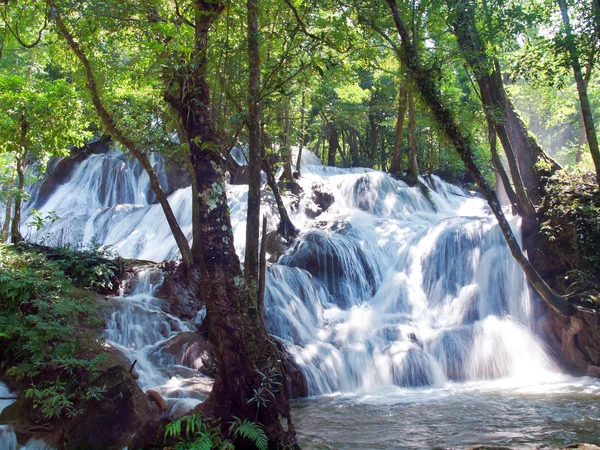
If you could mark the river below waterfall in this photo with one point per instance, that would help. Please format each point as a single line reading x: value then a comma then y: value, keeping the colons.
x: 455, y: 416
x: 402, y: 306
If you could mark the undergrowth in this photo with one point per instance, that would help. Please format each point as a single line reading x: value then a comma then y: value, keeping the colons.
x: 572, y: 226
x: 47, y: 333
x: 198, y: 433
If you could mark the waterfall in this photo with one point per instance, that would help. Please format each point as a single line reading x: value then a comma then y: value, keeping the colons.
x: 390, y: 285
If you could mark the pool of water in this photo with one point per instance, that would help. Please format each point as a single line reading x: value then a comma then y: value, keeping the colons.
x: 550, y: 414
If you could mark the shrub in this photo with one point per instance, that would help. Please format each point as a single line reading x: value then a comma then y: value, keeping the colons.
x: 47, y: 333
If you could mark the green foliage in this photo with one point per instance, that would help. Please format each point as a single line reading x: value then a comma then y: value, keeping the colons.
x: 47, y: 338
x: 572, y: 225
x: 89, y: 267
x: 252, y: 431
x: 205, y: 433
x: 267, y: 389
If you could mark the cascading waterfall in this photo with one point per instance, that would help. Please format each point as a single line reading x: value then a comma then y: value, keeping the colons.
x: 390, y: 287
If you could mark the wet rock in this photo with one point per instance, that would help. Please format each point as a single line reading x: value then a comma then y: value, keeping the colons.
x: 321, y: 200
x: 182, y: 294
x: 276, y: 246
x: 490, y: 447
x: 110, y: 422
x: 192, y: 350
x: 583, y: 447
x: 576, y: 340
x: 294, y: 380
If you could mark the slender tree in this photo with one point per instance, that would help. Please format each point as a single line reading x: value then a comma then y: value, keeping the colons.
x: 251, y: 265
x: 431, y: 95
x: 586, y: 111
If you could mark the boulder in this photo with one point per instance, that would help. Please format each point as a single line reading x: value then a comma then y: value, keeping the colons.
x: 294, y: 380
x: 110, y: 422
x: 191, y: 349
x: 184, y: 299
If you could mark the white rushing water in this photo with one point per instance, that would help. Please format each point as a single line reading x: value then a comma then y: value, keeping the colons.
x: 387, y: 289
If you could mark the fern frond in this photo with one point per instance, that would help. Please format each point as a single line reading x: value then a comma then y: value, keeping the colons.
x: 251, y: 430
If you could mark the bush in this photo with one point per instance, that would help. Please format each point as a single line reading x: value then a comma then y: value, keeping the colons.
x: 48, y: 332
x: 572, y: 226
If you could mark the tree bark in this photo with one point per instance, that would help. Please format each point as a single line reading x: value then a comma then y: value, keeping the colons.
x: 301, y: 143
x: 15, y: 233
x: 333, y: 143
x: 353, y: 144
x: 262, y: 278
x: 522, y: 151
x: 242, y: 346
x: 413, y: 166
x: 286, y: 151
x: 373, y: 136
x: 396, y: 166
x: 251, y: 264
x: 586, y: 111
x: 7, y: 217
x: 510, y: 193
x: 114, y: 130
x: 432, y: 97
x: 286, y: 228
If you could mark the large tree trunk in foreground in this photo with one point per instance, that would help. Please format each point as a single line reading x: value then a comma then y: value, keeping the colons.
x: 117, y: 133
x: 432, y: 97
x: 243, y: 349
x: 586, y: 111
x: 254, y: 151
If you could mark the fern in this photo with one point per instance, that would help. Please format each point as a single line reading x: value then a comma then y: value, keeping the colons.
x: 247, y: 429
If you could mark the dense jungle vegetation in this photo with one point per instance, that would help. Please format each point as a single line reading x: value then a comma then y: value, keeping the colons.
x: 500, y: 96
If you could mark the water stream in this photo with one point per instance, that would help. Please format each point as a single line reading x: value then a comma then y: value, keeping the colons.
x: 406, y: 312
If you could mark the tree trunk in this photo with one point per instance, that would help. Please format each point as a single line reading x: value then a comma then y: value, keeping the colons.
x: 342, y: 148
x: 510, y: 193
x: 333, y: 143
x: 15, y: 233
x: 432, y: 97
x: 286, y: 151
x: 396, y: 166
x: 352, y: 142
x: 262, y: 278
x: 413, y: 166
x: 582, y: 138
x: 242, y: 346
x: 251, y: 264
x: 115, y: 131
x: 6, y: 225
x: 286, y: 228
x: 586, y: 111
x: 373, y: 135
x: 301, y: 143
x: 509, y: 126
